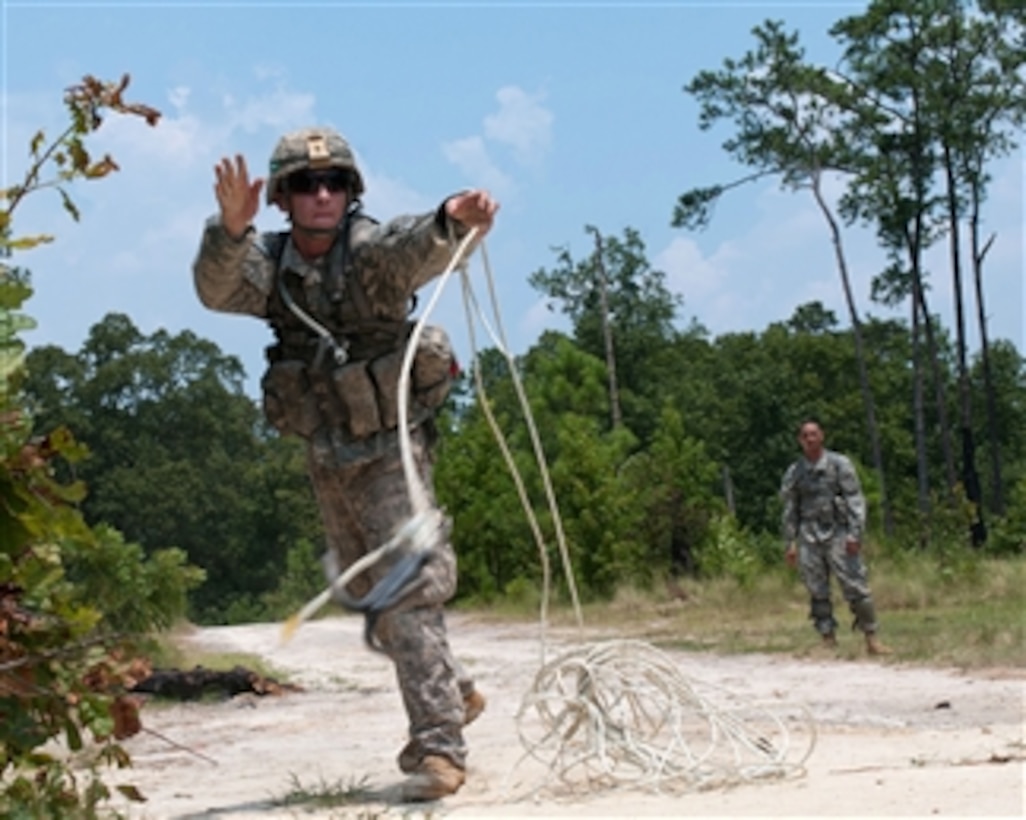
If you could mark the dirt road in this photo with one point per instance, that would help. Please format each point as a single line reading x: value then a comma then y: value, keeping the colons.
x: 888, y: 739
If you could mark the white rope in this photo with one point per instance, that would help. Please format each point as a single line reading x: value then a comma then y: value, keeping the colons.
x: 622, y: 714
x: 499, y: 339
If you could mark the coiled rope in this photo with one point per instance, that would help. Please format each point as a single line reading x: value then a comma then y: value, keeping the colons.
x: 615, y: 714
x: 623, y: 714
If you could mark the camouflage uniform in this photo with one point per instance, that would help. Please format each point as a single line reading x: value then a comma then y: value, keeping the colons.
x: 823, y: 509
x: 360, y: 291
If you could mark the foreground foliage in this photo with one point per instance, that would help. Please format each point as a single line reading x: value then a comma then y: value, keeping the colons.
x: 77, y: 602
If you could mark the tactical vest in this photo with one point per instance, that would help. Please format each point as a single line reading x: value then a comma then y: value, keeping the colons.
x: 343, y: 372
x: 818, y: 495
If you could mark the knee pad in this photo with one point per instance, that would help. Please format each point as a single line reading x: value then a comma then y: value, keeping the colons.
x: 865, y: 614
x: 821, y: 612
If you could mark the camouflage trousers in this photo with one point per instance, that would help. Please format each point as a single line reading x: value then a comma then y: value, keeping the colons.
x: 361, y: 506
x: 817, y: 560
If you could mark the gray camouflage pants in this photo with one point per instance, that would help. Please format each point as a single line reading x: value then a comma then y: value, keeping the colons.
x: 361, y: 506
x: 816, y: 561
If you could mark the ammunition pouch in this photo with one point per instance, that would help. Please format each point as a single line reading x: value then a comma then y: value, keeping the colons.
x: 434, y: 367
x: 354, y: 391
x: 289, y: 403
x: 361, y: 397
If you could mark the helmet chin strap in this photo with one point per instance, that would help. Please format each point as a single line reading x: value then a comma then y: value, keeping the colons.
x: 315, y: 232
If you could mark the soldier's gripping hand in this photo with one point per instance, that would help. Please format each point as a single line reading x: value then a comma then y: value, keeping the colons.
x: 237, y: 196
x: 852, y: 546
x: 791, y: 555
x: 474, y: 209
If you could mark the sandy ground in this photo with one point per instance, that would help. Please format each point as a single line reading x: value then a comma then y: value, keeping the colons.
x: 886, y: 739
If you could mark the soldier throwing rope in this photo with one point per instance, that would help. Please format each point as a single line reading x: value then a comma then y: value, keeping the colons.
x: 336, y: 289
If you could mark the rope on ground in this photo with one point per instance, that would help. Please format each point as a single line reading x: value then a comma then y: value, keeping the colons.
x: 622, y: 714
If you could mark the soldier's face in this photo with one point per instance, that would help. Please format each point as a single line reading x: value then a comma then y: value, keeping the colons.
x: 810, y: 438
x: 319, y: 205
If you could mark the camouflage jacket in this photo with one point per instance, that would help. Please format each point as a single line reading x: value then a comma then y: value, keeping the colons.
x: 340, y: 321
x: 822, y: 500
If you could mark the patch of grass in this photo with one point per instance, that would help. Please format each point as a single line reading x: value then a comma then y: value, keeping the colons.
x: 174, y: 652
x: 968, y: 612
x: 325, y: 794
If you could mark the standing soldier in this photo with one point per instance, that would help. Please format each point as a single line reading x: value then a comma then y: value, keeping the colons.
x: 336, y: 289
x: 824, y: 521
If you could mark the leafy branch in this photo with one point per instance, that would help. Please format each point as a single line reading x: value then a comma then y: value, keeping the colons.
x: 85, y: 103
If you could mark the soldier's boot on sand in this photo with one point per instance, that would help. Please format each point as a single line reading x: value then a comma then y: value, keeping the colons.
x: 827, y: 647
x: 473, y: 705
x: 875, y: 646
x: 434, y: 778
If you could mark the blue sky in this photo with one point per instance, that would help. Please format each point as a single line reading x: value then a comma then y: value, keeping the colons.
x: 570, y: 113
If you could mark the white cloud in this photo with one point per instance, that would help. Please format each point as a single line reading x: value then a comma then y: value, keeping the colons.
x: 281, y: 109
x: 179, y: 96
x: 389, y: 196
x: 470, y: 155
x: 521, y: 122
x: 687, y: 271
x: 180, y: 141
x: 539, y: 318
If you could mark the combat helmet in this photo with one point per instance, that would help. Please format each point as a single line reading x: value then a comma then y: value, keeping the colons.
x: 313, y: 148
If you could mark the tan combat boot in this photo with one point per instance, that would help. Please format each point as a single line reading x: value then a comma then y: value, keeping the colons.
x: 435, y: 777
x: 830, y: 641
x: 473, y: 705
x: 875, y: 646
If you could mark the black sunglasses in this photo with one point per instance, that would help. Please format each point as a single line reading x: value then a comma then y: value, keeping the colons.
x: 310, y: 182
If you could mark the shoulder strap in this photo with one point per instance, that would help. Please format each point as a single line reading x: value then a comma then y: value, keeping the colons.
x: 835, y: 469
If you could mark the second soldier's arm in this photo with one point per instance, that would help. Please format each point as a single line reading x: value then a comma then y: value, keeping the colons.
x: 790, y: 518
x: 851, y: 495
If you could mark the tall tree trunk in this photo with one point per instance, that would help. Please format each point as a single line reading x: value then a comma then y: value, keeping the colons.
x: 728, y: 490
x: 860, y: 355
x: 919, y: 421
x: 978, y: 254
x: 914, y: 245
x: 607, y: 332
x: 970, y: 477
x: 926, y: 327
x: 954, y: 243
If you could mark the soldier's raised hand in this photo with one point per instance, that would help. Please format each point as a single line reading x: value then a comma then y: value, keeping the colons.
x: 237, y: 196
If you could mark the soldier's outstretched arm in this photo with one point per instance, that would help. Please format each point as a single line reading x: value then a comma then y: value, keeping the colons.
x: 399, y: 257
x: 233, y: 271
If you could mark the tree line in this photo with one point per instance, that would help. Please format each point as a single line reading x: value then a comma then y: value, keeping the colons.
x: 182, y: 457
